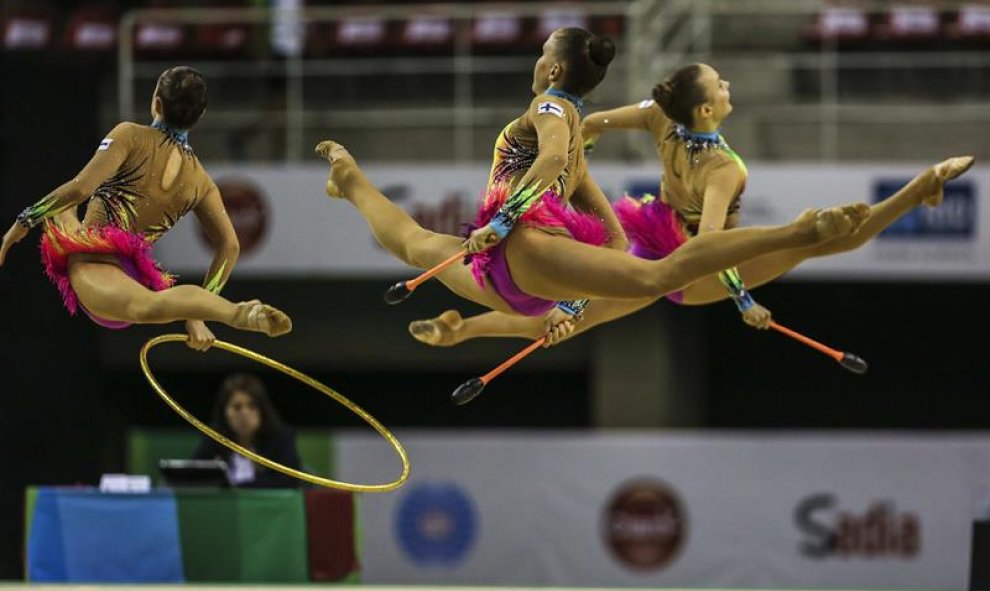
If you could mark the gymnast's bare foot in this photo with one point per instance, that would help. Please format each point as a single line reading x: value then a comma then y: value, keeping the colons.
x: 442, y: 331
x: 944, y: 172
x: 341, y: 165
x: 825, y: 224
x: 258, y: 317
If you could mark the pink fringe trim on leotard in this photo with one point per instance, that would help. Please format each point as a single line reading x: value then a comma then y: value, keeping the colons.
x: 133, y: 251
x: 653, y: 228
x: 547, y: 212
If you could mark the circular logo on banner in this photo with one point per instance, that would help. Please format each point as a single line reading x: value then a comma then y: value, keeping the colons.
x: 436, y: 524
x: 644, y: 524
x: 247, y: 208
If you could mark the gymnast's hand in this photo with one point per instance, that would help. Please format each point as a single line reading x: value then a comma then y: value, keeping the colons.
x: 481, y: 239
x: 757, y: 317
x: 15, y: 234
x: 200, y: 337
x: 559, y: 326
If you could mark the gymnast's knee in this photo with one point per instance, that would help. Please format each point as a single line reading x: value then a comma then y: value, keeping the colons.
x: 418, y: 252
x: 839, y: 245
x: 146, y: 310
x: 664, y: 280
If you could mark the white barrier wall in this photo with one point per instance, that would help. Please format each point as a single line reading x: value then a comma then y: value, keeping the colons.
x: 728, y: 510
x: 289, y: 227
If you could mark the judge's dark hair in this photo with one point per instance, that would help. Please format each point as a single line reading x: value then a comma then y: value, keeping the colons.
x: 271, y: 423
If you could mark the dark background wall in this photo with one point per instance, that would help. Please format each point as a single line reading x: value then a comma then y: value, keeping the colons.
x: 50, y: 429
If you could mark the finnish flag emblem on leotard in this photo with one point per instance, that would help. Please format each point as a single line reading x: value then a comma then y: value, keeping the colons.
x: 105, y: 144
x: 549, y: 107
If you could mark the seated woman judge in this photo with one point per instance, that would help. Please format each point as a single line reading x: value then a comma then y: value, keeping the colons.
x: 244, y: 413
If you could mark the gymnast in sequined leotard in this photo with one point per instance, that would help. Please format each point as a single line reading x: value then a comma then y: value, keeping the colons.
x: 703, y: 181
x: 532, y: 255
x: 140, y: 181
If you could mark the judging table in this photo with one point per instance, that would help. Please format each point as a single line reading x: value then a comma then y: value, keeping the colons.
x: 166, y: 535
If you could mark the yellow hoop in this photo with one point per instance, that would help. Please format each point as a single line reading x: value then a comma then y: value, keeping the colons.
x: 311, y: 478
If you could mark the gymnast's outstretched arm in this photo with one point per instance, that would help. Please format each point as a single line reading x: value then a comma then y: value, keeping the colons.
x: 110, y: 155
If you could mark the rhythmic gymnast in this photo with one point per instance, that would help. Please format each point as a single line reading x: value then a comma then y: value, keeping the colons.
x: 530, y: 249
x: 700, y: 194
x: 141, y: 180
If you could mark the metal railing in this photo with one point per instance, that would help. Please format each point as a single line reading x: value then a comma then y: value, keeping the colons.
x: 463, y: 114
x: 659, y: 35
x: 682, y: 31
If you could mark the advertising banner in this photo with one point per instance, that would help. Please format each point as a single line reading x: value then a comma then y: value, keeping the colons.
x: 733, y: 510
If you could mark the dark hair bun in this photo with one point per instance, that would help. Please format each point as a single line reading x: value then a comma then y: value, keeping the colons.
x: 663, y: 94
x: 601, y: 50
x: 680, y: 93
